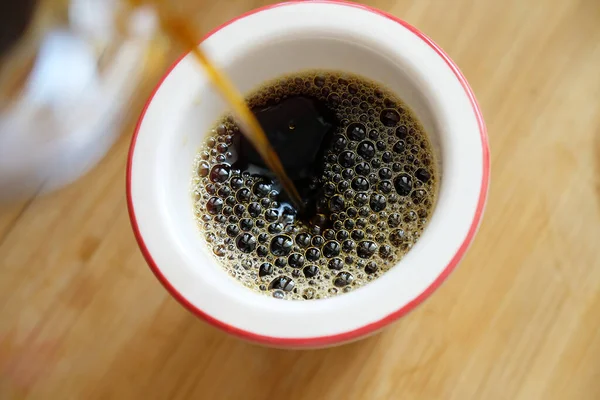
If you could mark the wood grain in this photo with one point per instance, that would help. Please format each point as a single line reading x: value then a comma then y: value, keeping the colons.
x: 82, y: 317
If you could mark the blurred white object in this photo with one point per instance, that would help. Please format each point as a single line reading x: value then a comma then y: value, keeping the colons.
x: 68, y: 113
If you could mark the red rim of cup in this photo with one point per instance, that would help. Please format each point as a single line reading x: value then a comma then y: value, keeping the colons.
x: 364, y: 330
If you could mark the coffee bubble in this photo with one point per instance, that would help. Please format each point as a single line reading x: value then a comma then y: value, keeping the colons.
x: 371, y: 196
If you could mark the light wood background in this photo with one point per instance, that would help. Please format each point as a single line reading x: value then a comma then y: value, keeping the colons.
x: 82, y: 317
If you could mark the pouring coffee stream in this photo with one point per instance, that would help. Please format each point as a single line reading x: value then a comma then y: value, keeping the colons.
x: 181, y: 31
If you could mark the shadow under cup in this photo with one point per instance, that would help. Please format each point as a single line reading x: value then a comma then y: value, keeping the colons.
x: 260, y: 47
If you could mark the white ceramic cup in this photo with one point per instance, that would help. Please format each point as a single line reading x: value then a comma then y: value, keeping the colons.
x: 265, y: 44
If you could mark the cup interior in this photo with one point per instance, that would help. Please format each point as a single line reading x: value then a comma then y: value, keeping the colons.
x: 263, y: 46
x: 263, y: 61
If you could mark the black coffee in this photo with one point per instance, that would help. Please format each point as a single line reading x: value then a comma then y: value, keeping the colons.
x: 364, y: 169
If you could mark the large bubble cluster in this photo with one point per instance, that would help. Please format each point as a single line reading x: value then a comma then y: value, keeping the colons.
x: 379, y: 187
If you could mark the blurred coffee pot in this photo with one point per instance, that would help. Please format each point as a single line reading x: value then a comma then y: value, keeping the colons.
x: 68, y: 72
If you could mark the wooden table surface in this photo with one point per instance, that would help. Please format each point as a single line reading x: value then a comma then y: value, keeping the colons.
x: 82, y: 317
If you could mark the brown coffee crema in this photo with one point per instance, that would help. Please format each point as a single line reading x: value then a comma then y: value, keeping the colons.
x: 359, y: 159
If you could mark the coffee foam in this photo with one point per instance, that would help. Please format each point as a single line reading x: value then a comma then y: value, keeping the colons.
x: 379, y: 185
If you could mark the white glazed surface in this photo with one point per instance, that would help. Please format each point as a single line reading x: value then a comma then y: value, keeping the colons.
x: 263, y: 46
